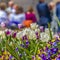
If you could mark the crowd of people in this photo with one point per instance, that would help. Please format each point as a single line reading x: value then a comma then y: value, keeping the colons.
x: 13, y: 14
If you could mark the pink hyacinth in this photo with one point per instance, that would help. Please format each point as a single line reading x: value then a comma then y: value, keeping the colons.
x: 41, y: 28
x: 3, y: 25
x: 20, y: 26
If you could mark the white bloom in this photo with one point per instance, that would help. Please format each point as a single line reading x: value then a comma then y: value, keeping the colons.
x: 37, y: 30
x: 34, y: 26
x: 19, y: 35
x: 1, y: 33
x: 32, y: 35
x: 44, y: 37
x: 56, y: 36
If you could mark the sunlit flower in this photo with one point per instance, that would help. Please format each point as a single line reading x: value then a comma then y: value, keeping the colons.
x: 44, y: 37
x: 34, y: 26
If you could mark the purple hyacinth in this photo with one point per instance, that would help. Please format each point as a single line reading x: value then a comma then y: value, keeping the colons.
x: 10, y: 58
x: 43, y: 57
x: 27, y: 42
x: 48, y: 59
x: 20, y: 55
x: 20, y: 26
x: 49, y: 55
x: 14, y: 35
x: 22, y: 45
x: 37, y: 35
x: 54, y: 50
x: 41, y: 28
x: 24, y: 37
x: 8, y: 32
x: 16, y: 49
x: 0, y: 56
x: 58, y: 58
x: 54, y: 43
x: 33, y: 57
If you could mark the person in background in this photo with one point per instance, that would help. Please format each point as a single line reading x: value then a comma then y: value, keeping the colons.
x: 58, y: 13
x: 52, y: 8
x: 30, y: 14
x: 44, y: 14
x: 14, y: 7
x: 10, y: 7
x: 17, y: 18
x: 3, y: 14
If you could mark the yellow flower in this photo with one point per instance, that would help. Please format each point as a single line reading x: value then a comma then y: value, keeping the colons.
x: 53, y: 40
x: 37, y: 57
x: 5, y: 52
x: 7, y: 57
x: 58, y: 38
x: 39, y: 52
x: 53, y: 59
x: 48, y: 45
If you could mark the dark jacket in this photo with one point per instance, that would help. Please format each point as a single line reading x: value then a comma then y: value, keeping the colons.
x: 44, y: 13
x: 58, y: 10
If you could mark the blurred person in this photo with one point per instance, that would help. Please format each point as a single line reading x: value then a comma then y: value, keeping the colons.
x: 44, y: 14
x: 17, y: 18
x: 10, y: 7
x: 58, y: 13
x: 30, y: 14
x: 52, y: 7
x: 3, y: 14
x: 14, y: 7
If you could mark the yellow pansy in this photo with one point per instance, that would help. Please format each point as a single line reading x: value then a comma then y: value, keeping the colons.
x: 37, y: 57
x: 39, y: 52
x: 53, y: 59
x: 58, y: 38
x: 48, y: 45
x: 53, y: 40
x: 7, y: 57
x: 5, y: 52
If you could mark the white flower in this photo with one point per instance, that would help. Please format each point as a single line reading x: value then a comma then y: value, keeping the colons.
x: 56, y: 36
x: 44, y: 37
x: 19, y: 35
x: 1, y: 33
x: 37, y: 30
x: 32, y: 35
x: 34, y: 26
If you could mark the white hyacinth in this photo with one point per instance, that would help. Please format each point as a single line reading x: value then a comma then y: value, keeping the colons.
x: 34, y: 26
x: 44, y: 37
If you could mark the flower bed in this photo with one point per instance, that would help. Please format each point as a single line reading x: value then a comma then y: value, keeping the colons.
x: 29, y: 44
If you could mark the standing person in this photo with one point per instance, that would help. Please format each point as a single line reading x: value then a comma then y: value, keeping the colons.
x: 44, y: 14
x: 30, y: 14
x: 3, y: 14
x: 10, y: 7
x: 54, y: 26
x: 58, y: 13
x: 17, y: 18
